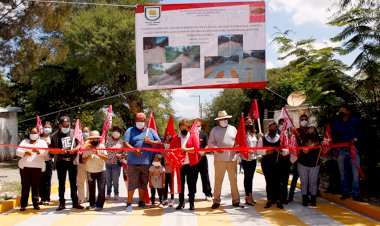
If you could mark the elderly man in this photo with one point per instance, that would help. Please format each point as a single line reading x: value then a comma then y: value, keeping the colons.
x: 64, y: 162
x: 139, y: 136
x: 223, y: 136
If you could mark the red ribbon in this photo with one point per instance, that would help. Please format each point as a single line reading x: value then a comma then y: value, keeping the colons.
x: 353, y: 157
x: 175, y: 159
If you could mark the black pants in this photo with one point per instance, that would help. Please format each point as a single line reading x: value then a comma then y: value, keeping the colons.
x: 30, y: 177
x: 249, y: 171
x: 62, y: 168
x: 284, y: 170
x: 202, y: 169
x: 188, y: 174
x: 45, y: 186
x: 168, y: 185
x: 98, y: 179
x: 160, y: 191
x: 271, y: 172
x: 294, y: 180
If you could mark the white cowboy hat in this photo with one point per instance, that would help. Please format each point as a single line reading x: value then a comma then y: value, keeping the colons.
x: 94, y: 135
x: 222, y: 115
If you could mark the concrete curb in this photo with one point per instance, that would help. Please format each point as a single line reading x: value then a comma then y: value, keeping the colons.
x: 363, y: 208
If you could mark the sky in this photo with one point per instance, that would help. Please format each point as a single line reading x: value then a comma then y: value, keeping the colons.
x: 306, y: 18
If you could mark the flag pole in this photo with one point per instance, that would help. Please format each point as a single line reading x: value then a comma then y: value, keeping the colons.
x: 319, y: 155
x: 259, y: 124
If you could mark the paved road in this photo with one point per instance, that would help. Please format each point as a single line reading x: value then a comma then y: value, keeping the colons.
x: 325, y: 213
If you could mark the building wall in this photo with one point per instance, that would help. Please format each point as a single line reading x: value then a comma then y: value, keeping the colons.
x: 8, y: 134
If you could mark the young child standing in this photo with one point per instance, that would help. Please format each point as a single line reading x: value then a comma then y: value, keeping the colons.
x: 156, y: 180
x: 168, y: 174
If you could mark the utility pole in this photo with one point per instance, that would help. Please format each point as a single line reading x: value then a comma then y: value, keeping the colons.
x: 200, y: 104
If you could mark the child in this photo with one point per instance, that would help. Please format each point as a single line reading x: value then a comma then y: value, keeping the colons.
x: 168, y: 175
x: 156, y: 179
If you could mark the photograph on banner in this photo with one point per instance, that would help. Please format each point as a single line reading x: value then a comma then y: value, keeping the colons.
x: 202, y: 45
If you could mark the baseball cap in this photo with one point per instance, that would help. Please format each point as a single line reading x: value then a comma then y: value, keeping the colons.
x: 64, y: 120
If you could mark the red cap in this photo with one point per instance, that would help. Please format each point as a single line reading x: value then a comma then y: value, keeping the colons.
x: 140, y: 115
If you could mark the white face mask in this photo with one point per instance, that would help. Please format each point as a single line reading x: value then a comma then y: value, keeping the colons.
x: 65, y: 130
x: 115, y: 135
x: 156, y: 163
x: 304, y: 123
x: 223, y: 123
x: 47, y: 130
x: 85, y: 134
x: 280, y: 127
x: 199, y: 128
x: 140, y: 125
x: 166, y: 146
x: 34, y: 136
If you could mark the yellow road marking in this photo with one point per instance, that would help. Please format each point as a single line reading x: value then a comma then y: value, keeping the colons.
x: 144, y: 217
x: 276, y: 216
x: 207, y: 216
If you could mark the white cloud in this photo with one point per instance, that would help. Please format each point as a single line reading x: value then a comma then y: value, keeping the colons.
x: 270, y: 64
x: 185, y: 109
x: 326, y: 43
x: 180, y: 93
x: 303, y: 11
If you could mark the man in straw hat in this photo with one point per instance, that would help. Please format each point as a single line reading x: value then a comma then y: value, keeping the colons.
x: 223, y: 136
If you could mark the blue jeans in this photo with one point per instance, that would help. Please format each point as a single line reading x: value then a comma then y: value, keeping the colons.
x: 112, y: 178
x: 344, y: 161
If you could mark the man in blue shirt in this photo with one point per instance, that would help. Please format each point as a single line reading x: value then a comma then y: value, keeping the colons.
x: 347, y: 129
x: 139, y: 136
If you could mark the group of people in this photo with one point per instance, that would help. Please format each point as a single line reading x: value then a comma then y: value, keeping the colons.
x: 91, y: 165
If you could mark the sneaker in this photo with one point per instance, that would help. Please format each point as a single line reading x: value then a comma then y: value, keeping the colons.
x: 46, y: 203
x: 142, y: 204
x: 116, y: 197
x: 161, y: 205
x: 90, y: 207
x: 171, y: 203
x: 208, y: 198
x: 98, y: 208
x: 215, y: 206
x: 128, y: 208
x: 165, y: 202
x: 108, y: 197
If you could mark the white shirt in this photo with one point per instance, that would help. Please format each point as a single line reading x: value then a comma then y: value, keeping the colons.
x: 183, y: 145
x: 252, y: 142
x: 95, y: 164
x: 223, y: 138
x: 270, y: 140
x: 33, y: 161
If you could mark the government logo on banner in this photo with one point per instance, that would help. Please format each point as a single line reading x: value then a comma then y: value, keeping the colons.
x: 152, y: 13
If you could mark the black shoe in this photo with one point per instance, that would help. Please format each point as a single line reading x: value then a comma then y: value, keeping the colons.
x: 215, y: 206
x: 358, y: 198
x: 36, y: 207
x: 279, y: 205
x: 142, y: 204
x: 313, y: 200
x: 78, y: 206
x: 191, y: 206
x: 40, y: 202
x: 22, y: 208
x: 267, y: 205
x: 180, y: 206
x: 238, y: 205
x: 305, y: 200
x: 61, y: 207
x: 343, y: 197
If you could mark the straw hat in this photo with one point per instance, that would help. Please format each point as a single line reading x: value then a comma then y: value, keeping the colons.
x: 222, y: 115
x: 94, y: 135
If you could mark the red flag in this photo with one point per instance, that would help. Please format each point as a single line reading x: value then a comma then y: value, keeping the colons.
x: 194, y: 130
x: 326, y: 140
x: 254, y: 111
x: 107, y: 124
x: 289, y: 140
x: 39, y: 126
x: 78, y: 133
x: 152, y: 123
x: 241, y: 136
x: 286, y: 116
x: 170, y: 131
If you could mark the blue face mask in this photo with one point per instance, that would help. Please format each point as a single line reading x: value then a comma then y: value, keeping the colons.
x: 65, y: 130
x: 34, y: 136
x: 47, y: 130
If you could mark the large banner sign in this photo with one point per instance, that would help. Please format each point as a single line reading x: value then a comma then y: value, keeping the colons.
x: 203, y: 45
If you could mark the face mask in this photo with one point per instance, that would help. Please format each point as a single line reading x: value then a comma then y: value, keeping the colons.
x: 140, y: 125
x: 184, y: 132
x: 166, y: 146
x: 33, y: 136
x: 199, y: 128
x: 115, y: 134
x: 47, y: 130
x: 223, y: 123
x: 249, y: 127
x: 94, y: 143
x: 65, y: 130
x: 342, y: 115
x: 272, y: 132
x: 280, y: 127
x: 304, y: 123
x: 156, y: 163
x: 85, y: 134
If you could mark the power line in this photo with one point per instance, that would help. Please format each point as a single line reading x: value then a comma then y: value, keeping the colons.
x: 83, y: 3
x: 275, y: 93
x: 80, y: 105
